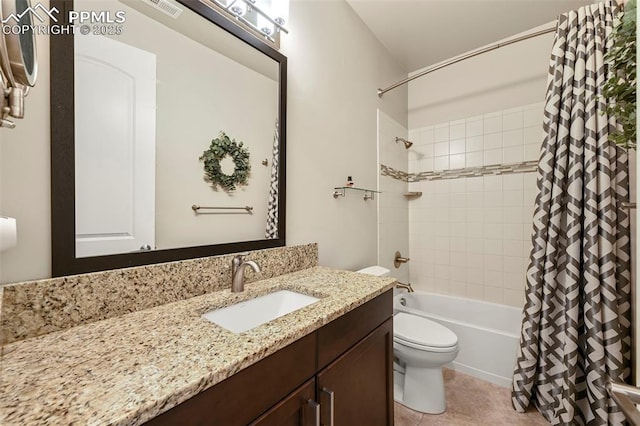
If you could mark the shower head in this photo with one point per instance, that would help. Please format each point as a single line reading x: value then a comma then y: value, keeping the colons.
x: 406, y: 143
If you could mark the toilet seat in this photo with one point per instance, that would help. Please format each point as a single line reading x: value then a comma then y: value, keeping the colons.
x: 421, y: 333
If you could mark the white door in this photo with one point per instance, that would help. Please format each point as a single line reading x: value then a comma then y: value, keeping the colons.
x: 115, y: 101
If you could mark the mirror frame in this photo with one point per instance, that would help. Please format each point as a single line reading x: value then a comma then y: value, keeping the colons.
x: 63, y: 257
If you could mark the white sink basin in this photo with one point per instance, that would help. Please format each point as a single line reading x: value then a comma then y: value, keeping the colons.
x: 244, y: 316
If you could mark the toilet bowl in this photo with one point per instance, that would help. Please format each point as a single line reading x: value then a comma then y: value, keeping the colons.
x: 420, y: 348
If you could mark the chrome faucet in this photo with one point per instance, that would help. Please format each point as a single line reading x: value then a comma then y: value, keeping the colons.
x: 237, y: 272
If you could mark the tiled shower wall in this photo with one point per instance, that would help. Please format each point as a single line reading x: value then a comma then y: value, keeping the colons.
x: 471, y: 236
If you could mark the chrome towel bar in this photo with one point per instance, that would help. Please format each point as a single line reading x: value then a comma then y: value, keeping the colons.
x: 195, y: 208
x: 628, y: 205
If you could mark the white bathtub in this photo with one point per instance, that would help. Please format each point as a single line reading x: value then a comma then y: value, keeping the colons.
x: 488, y: 333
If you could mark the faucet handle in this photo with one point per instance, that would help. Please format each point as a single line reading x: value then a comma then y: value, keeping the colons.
x: 235, y: 262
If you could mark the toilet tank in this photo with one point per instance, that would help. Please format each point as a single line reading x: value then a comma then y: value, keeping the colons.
x: 378, y: 271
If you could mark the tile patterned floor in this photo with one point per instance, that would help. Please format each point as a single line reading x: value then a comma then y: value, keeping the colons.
x: 471, y: 401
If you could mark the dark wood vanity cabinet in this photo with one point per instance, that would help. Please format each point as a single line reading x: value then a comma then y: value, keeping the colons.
x: 360, y: 382
x: 341, y: 374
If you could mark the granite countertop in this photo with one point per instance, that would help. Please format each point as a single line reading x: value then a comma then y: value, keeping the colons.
x: 127, y: 370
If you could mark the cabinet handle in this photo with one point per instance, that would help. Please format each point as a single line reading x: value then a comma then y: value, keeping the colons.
x: 324, y: 394
x: 311, y: 414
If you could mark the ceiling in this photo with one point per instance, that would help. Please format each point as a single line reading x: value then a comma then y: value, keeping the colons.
x: 419, y: 33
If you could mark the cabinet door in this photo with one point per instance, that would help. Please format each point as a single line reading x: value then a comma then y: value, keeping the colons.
x: 361, y: 382
x: 297, y: 409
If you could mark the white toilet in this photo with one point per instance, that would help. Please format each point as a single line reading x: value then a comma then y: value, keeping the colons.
x: 421, y: 347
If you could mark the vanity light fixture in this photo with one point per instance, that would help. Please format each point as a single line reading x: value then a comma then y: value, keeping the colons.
x: 266, y: 19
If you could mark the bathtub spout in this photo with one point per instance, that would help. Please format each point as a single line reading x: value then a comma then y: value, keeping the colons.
x: 405, y: 286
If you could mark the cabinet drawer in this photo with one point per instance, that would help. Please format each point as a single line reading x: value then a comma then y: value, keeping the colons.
x: 244, y: 396
x: 342, y: 333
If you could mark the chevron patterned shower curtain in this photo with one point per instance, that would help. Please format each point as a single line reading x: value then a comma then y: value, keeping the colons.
x: 271, y: 231
x: 576, y: 325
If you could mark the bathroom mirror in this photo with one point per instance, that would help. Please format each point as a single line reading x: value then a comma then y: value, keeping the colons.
x: 135, y: 103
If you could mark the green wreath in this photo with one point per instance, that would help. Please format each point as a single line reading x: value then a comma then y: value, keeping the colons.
x: 219, y: 149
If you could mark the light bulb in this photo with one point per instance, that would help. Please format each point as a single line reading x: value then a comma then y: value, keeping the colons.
x: 264, y: 25
x: 280, y: 11
x: 238, y: 8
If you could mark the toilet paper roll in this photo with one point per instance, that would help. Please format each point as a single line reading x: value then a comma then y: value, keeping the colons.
x: 8, y: 233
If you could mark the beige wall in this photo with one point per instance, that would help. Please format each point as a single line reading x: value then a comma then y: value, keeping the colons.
x: 335, y: 66
x: 25, y: 184
x: 505, y: 78
x: 393, y: 205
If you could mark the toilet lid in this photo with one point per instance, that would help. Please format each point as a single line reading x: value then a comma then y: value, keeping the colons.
x: 378, y: 271
x: 422, y: 331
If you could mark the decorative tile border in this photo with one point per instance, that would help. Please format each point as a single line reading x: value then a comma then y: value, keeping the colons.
x: 393, y: 173
x: 494, y: 169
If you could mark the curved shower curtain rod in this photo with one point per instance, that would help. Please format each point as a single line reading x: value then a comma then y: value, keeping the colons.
x: 464, y: 56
